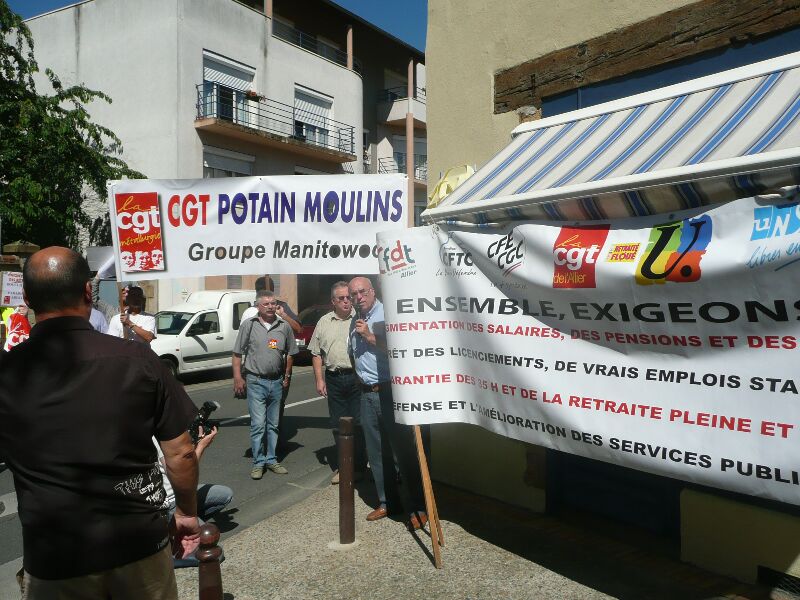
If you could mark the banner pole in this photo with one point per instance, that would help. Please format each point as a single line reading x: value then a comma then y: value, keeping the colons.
x: 437, y: 538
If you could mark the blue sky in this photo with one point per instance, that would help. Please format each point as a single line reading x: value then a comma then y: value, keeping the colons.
x: 404, y: 19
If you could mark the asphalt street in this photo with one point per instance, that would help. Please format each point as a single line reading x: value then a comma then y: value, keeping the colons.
x: 227, y: 461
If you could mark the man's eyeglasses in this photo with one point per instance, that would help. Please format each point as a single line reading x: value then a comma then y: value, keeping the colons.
x: 358, y: 293
x: 341, y: 298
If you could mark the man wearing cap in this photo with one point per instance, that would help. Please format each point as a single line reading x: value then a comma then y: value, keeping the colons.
x: 334, y: 373
x: 368, y: 350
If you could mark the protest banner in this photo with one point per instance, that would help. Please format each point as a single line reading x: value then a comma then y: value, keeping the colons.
x: 667, y: 344
x: 243, y: 225
x: 11, y: 289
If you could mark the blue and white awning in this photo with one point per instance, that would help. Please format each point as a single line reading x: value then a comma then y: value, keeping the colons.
x: 710, y: 140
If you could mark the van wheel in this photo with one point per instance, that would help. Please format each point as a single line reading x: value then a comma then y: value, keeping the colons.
x: 170, y: 364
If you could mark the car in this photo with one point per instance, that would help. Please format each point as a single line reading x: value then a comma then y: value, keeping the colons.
x: 198, y: 335
x: 308, y: 318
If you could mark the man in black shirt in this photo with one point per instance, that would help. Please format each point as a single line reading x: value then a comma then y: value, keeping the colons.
x: 78, y: 410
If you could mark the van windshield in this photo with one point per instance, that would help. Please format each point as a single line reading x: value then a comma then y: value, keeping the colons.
x: 172, y: 323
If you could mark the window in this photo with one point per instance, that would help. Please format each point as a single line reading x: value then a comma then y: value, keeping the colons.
x: 312, y: 116
x: 238, y: 311
x: 218, y: 162
x: 234, y: 282
x: 225, y: 83
x: 207, y: 323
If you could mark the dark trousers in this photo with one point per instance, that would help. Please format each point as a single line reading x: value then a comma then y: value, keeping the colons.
x: 344, y: 400
x: 385, y: 438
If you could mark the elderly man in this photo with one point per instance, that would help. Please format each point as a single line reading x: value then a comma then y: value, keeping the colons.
x: 333, y: 372
x: 267, y: 343
x: 368, y: 351
x: 79, y: 410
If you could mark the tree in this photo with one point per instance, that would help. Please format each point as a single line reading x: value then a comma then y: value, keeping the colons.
x: 52, y: 157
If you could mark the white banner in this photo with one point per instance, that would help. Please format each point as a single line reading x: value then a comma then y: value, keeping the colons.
x: 244, y: 225
x: 11, y: 289
x: 667, y: 344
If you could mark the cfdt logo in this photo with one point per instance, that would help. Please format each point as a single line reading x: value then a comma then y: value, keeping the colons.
x: 674, y: 251
x: 775, y: 221
x: 575, y: 253
x: 396, y: 258
x: 508, y: 252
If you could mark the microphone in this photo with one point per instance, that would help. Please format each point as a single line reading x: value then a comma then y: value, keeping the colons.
x: 357, y: 308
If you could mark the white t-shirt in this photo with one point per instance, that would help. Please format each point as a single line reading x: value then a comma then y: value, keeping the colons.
x: 144, y: 320
x: 98, y: 321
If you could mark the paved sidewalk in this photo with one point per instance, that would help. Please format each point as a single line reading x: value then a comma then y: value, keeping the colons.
x: 492, y: 551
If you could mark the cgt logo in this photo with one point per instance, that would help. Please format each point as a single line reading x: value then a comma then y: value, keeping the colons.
x: 507, y: 252
x: 575, y: 253
x: 674, y: 251
x: 396, y: 259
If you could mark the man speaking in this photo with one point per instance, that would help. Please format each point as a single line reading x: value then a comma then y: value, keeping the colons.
x: 78, y: 410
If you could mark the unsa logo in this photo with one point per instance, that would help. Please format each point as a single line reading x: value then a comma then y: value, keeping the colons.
x: 674, y: 252
x: 575, y: 253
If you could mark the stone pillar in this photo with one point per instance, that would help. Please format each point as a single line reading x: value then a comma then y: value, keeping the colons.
x: 350, y: 47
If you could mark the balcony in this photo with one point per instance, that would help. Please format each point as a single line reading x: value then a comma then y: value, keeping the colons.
x: 393, y: 106
x: 253, y: 118
x: 397, y: 164
x: 306, y: 41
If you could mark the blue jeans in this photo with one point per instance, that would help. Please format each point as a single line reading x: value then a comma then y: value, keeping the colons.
x: 387, y: 440
x: 264, y: 403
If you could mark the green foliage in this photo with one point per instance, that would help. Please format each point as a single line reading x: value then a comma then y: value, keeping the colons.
x: 52, y: 157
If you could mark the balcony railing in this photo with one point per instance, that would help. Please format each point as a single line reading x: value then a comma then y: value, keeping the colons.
x: 306, y: 41
x: 259, y: 113
x: 398, y: 165
x: 400, y: 93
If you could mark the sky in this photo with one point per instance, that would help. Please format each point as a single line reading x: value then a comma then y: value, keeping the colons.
x: 404, y: 19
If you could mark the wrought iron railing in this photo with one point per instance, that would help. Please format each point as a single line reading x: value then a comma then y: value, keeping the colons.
x: 397, y: 164
x: 256, y: 112
x: 400, y: 93
x: 306, y: 41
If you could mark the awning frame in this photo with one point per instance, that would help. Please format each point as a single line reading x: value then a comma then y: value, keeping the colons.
x: 717, y: 169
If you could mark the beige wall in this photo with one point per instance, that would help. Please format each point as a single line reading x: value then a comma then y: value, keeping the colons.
x: 469, y: 40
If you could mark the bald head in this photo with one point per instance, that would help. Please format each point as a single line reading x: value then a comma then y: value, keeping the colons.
x: 55, y: 281
x: 362, y: 293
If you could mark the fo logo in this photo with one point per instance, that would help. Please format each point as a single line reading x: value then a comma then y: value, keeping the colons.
x: 674, y: 251
x: 575, y: 253
x: 507, y: 252
x: 396, y: 259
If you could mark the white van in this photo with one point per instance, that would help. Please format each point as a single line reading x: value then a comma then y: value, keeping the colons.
x: 199, y: 334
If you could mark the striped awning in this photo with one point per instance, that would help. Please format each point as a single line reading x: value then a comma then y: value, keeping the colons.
x: 730, y: 135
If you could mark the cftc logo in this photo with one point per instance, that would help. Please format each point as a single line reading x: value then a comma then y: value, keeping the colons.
x: 674, y: 251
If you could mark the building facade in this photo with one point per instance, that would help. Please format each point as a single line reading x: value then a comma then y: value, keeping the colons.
x: 220, y: 88
x: 538, y: 59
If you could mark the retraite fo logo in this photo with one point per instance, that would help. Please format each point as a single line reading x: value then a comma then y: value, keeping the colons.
x: 575, y: 253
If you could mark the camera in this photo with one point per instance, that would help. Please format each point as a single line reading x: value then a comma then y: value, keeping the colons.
x: 201, y: 420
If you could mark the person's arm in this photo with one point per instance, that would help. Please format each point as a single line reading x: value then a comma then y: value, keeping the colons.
x: 285, y: 313
x: 287, y: 378
x: 145, y: 333
x: 319, y: 376
x: 239, y: 384
x: 204, y: 441
x: 182, y: 470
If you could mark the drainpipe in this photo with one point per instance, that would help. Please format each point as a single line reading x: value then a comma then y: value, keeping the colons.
x: 350, y: 47
x: 268, y: 12
x: 410, y: 143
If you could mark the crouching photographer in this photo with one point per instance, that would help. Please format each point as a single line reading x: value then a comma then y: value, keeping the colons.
x: 211, y: 498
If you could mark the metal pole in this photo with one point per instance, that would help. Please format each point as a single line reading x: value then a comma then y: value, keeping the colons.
x: 210, y: 578
x: 410, y: 142
x: 347, y: 527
